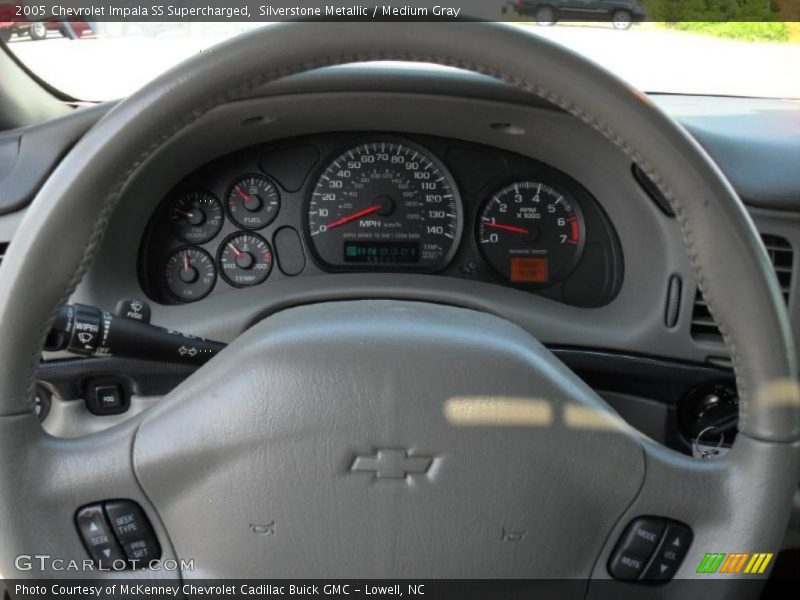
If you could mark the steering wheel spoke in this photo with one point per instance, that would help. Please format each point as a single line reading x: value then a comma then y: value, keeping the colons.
x: 46, y: 480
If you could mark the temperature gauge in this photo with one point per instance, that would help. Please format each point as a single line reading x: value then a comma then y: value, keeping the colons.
x: 189, y: 274
x: 246, y: 259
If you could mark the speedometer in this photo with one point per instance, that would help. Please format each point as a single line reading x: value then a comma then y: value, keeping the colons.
x: 385, y: 205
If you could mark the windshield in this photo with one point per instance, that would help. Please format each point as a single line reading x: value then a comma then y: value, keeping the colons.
x: 106, y: 60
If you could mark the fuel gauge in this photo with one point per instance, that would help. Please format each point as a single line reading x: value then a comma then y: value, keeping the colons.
x: 253, y: 202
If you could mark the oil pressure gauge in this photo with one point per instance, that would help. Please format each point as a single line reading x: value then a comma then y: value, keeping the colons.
x: 189, y: 274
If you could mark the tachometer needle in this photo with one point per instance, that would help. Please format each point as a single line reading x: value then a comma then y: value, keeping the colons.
x: 507, y: 227
x: 353, y: 217
x: 186, y: 263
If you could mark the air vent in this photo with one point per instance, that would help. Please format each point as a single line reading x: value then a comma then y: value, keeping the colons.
x: 780, y: 253
x: 3, y: 248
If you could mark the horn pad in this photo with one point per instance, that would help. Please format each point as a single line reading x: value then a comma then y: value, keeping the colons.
x: 387, y: 439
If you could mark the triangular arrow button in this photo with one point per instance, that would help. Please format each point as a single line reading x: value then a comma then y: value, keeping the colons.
x: 664, y: 568
x: 93, y: 527
x: 677, y: 542
x: 107, y: 553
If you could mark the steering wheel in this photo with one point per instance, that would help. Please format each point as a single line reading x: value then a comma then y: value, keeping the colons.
x: 388, y: 438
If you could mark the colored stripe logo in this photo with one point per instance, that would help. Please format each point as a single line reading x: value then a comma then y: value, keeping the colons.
x: 735, y: 563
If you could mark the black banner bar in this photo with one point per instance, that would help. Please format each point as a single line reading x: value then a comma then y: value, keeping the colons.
x: 398, y: 10
x: 376, y: 589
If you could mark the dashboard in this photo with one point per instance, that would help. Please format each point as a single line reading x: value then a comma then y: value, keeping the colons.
x: 625, y: 287
x: 367, y: 202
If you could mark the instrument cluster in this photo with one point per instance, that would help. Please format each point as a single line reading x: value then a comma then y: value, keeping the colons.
x: 374, y: 203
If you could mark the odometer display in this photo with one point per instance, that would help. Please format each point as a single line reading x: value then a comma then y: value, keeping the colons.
x: 531, y: 233
x: 385, y: 205
x: 381, y: 253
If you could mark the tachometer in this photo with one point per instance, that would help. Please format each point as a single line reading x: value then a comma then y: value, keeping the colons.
x: 385, y: 205
x: 531, y: 232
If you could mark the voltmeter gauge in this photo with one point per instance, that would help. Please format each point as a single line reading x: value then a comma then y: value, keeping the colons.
x: 195, y: 217
x: 189, y: 274
x: 253, y: 202
x: 245, y: 259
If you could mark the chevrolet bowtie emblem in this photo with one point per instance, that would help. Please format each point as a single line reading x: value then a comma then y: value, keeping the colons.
x: 392, y: 464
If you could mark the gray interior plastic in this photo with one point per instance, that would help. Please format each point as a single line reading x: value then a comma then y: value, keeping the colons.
x: 29, y: 155
x: 756, y: 142
x: 23, y: 100
x: 742, y: 500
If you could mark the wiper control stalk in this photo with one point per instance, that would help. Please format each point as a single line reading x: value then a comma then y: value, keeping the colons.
x: 89, y: 331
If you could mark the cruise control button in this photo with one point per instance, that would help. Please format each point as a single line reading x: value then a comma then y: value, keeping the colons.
x: 97, y: 537
x: 133, y: 531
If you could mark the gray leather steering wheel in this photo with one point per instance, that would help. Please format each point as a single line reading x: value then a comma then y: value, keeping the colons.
x: 516, y: 441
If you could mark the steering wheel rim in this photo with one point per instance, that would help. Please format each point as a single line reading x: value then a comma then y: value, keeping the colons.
x: 730, y: 264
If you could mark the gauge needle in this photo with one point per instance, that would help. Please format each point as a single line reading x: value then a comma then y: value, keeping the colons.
x: 507, y: 227
x: 236, y: 251
x: 242, y: 195
x: 353, y: 217
x: 186, y: 264
x: 184, y: 213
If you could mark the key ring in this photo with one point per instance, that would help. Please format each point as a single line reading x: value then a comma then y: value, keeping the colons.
x: 707, y: 452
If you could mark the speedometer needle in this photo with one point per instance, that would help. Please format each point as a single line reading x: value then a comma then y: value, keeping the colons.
x: 507, y: 227
x: 353, y: 217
